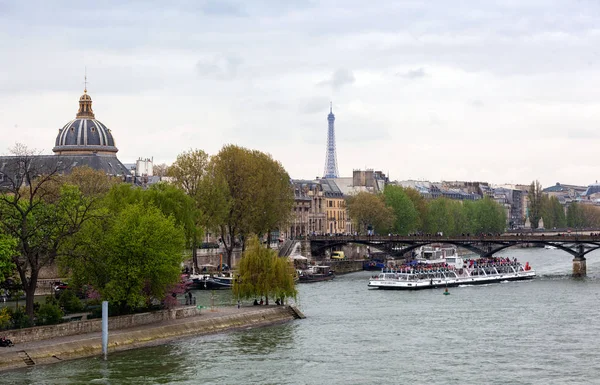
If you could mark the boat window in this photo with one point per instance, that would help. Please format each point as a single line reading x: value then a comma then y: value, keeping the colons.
x: 450, y: 260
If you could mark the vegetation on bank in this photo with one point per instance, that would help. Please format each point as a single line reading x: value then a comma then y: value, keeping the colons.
x: 237, y: 193
x: 263, y: 274
x: 577, y: 215
x: 404, y: 211
x: 128, y: 243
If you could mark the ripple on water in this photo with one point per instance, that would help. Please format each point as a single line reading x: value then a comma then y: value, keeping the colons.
x: 543, y: 331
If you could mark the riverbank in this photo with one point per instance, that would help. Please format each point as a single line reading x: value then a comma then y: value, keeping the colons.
x: 224, y: 319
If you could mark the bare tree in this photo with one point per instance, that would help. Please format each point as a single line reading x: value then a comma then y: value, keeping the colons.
x: 39, y: 218
x: 160, y: 170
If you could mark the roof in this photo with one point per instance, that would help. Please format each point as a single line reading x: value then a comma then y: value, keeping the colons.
x: 110, y: 164
x: 84, y: 133
x: 330, y: 188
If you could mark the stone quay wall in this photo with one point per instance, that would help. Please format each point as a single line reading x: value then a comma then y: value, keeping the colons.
x: 95, y: 325
x: 64, y: 348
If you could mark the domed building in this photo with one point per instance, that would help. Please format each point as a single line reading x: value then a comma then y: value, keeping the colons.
x: 85, y: 134
x: 84, y: 141
x: 87, y: 141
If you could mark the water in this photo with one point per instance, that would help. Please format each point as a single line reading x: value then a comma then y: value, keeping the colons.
x: 543, y: 331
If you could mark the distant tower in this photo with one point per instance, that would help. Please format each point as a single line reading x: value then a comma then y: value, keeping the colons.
x: 331, y: 168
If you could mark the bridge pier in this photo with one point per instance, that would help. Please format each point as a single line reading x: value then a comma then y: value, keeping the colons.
x: 579, y: 267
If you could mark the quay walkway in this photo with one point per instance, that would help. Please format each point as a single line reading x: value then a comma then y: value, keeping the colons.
x: 224, y: 319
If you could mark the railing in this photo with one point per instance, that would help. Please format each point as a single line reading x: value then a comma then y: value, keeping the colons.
x: 520, y: 237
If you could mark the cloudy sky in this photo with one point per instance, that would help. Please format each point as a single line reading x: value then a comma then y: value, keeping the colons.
x: 435, y: 90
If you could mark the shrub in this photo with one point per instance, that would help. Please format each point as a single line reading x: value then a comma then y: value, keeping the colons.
x: 5, y: 318
x: 20, y: 319
x: 49, y: 314
x: 69, y: 301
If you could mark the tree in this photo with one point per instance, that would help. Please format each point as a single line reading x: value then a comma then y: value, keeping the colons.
x: 276, y: 195
x: 439, y: 217
x: 369, y: 209
x: 188, y: 172
x: 32, y: 213
x: 264, y: 274
x: 131, y: 258
x: 170, y: 200
x: 420, y: 205
x: 8, y: 249
x: 406, y: 215
x: 160, y: 170
x: 91, y: 183
x: 535, y: 203
x: 553, y: 213
x: 575, y: 216
x: 258, y: 194
x: 490, y: 216
x: 591, y: 216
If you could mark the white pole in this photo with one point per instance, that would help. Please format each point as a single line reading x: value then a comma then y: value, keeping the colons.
x: 105, y: 328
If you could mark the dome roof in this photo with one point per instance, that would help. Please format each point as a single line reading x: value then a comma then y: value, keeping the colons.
x: 84, y: 134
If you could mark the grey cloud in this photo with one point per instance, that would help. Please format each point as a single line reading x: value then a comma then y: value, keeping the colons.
x: 223, y: 67
x: 339, y: 78
x: 413, y: 74
x: 477, y: 103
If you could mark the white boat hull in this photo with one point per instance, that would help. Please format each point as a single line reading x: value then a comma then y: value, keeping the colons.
x: 396, y: 284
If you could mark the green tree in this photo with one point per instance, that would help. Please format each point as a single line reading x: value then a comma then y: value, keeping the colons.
x: 131, y: 258
x: 575, y: 215
x: 470, y: 211
x: 40, y: 220
x: 276, y: 196
x: 8, y: 249
x: 170, y: 200
x: 188, y: 172
x: 370, y: 209
x: 535, y: 203
x: 553, y: 213
x: 263, y: 274
x: 406, y: 215
x: 490, y: 216
x: 258, y: 194
x: 439, y: 217
x: 560, y: 219
x: 420, y: 205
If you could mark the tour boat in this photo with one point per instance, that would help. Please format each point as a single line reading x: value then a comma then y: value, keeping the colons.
x: 454, y: 271
x: 315, y: 274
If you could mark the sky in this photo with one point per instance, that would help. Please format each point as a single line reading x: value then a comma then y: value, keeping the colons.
x: 497, y: 91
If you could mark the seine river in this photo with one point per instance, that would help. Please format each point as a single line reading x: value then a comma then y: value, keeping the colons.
x: 545, y: 331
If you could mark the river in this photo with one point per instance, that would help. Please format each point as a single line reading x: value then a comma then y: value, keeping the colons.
x: 545, y: 331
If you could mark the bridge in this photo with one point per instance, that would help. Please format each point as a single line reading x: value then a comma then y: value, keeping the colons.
x: 578, y: 245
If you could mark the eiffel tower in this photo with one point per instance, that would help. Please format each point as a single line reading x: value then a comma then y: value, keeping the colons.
x: 331, y: 168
